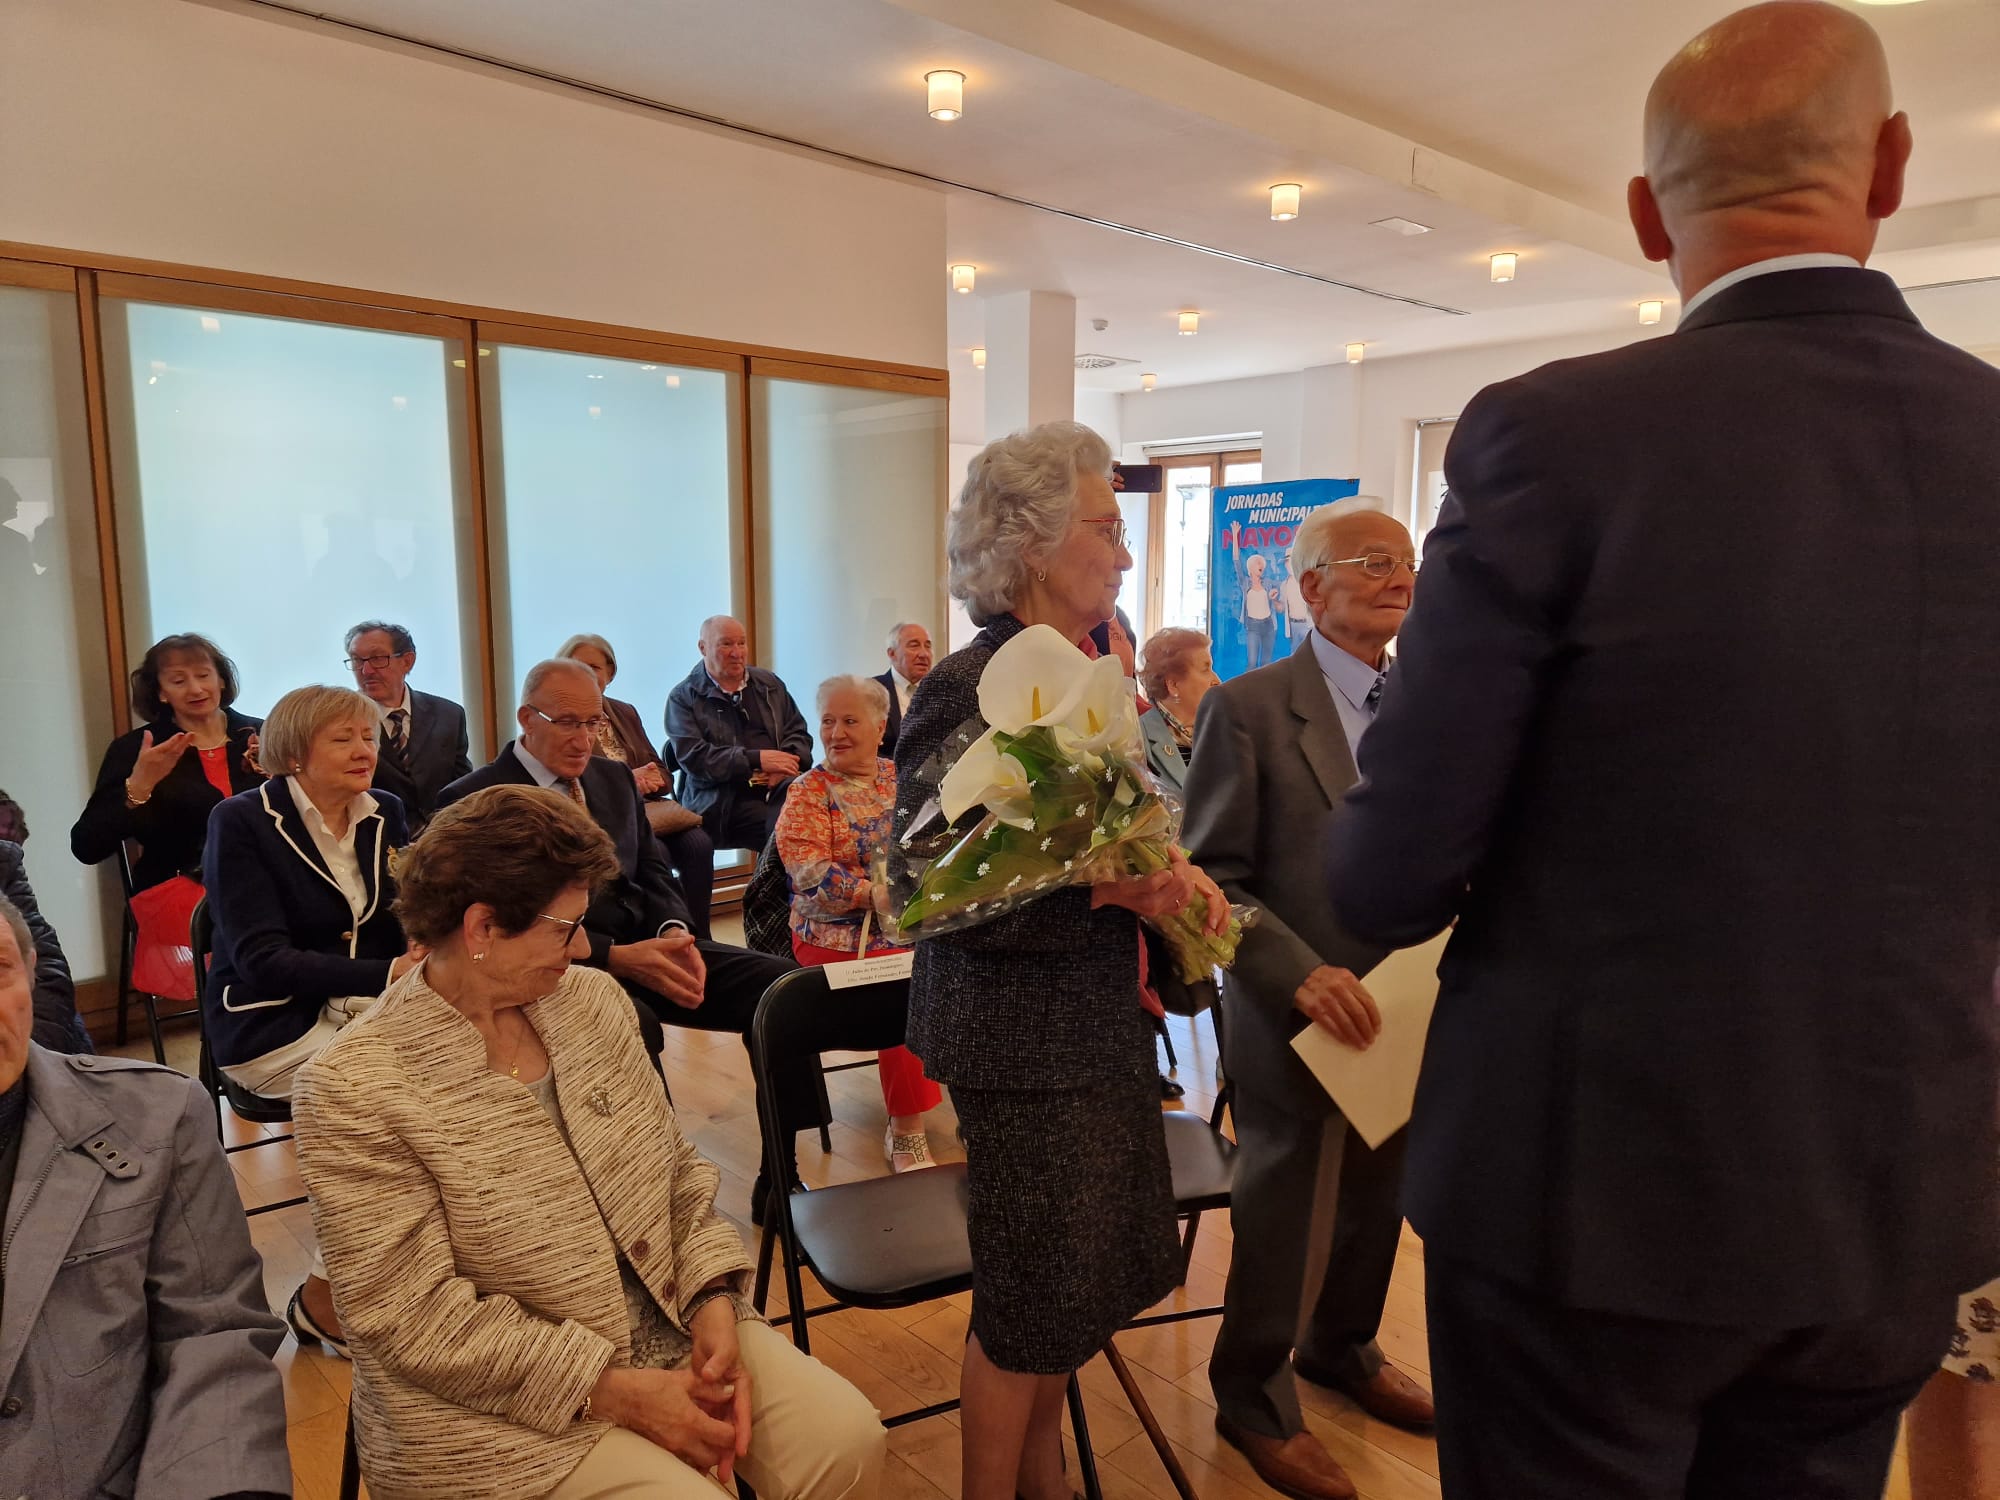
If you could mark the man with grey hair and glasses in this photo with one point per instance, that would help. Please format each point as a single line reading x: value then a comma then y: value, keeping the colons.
x: 1315, y: 1214
x: 1693, y: 735
x: 423, y: 743
x: 638, y: 926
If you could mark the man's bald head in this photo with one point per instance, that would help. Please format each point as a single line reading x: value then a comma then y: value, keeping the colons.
x: 1770, y: 133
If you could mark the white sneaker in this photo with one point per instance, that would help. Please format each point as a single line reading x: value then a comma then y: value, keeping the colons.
x: 907, y: 1153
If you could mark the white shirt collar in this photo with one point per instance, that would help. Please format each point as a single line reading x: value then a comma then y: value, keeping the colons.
x: 544, y: 777
x: 383, y: 713
x: 1346, y: 673
x: 1813, y: 262
x: 362, y: 805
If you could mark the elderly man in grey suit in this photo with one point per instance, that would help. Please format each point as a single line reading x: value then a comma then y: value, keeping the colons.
x: 1273, y: 752
x: 135, y: 1346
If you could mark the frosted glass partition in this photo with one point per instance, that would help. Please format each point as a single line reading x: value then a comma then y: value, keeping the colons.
x: 849, y: 506
x: 613, y: 512
x: 51, y: 614
x: 279, y: 481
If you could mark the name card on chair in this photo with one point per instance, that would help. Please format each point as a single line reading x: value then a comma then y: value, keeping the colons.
x: 881, y: 969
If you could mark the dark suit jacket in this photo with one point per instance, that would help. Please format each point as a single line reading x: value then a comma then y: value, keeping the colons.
x: 1693, y: 727
x: 644, y: 898
x: 711, y: 738
x: 57, y: 1025
x: 438, y: 755
x: 286, y: 941
x: 173, y: 823
x: 631, y: 734
x: 895, y: 721
x: 1046, y: 997
x: 1270, y: 759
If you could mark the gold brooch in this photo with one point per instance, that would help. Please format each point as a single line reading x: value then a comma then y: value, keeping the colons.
x: 601, y: 1102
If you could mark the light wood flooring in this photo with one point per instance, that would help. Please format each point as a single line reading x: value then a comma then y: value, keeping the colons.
x: 909, y: 1358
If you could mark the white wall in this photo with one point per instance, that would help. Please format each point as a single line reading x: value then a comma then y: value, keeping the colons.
x: 215, y: 135
x: 1338, y: 421
x: 1269, y: 406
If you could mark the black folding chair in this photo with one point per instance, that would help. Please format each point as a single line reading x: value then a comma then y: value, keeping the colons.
x: 256, y: 1108
x: 1203, y: 1163
x: 885, y: 1242
x: 128, y: 947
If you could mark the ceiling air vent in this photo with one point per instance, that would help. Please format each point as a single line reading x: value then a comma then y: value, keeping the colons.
x: 1102, y: 361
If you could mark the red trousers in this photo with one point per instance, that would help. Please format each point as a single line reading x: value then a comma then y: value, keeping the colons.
x: 904, y: 1088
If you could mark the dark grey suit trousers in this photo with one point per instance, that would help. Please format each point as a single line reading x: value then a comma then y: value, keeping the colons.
x: 1286, y: 1167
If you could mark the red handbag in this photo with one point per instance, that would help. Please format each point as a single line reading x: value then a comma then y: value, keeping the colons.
x: 162, y: 958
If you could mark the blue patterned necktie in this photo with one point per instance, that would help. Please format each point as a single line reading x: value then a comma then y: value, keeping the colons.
x: 1374, y: 699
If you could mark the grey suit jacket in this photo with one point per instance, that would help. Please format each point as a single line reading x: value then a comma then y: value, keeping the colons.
x: 1270, y: 760
x: 135, y: 1346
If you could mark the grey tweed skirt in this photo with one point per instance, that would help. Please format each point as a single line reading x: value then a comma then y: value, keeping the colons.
x: 1071, y: 1217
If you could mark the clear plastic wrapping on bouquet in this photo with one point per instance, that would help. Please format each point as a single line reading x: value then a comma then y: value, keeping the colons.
x: 1064, y: 810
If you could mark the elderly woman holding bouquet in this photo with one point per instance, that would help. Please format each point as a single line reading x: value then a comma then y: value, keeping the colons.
x: 1034, y: 1018
x: 835, y: 821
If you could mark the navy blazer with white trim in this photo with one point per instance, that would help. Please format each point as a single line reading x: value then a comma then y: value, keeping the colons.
x: 286, y: 940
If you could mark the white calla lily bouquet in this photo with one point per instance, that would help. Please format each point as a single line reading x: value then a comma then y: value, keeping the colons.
x: 1048, y: 789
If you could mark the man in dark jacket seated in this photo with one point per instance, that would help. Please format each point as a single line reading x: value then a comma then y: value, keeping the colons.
x: 638, y: 926
x: 58, y: 1027
x: 739, y: 738
x: 137, y: 1356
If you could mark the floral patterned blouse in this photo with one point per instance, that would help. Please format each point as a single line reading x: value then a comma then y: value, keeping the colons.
x: 831, y: 827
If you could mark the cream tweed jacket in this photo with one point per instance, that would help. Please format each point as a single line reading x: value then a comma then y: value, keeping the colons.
x: 474, y: 1266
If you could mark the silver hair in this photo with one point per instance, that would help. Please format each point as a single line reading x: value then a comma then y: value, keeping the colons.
x: 1017, y: 504
x: 567, y: 650
x: 714, y: 620
x: 296, y: 720
x: 542, y: 671
x: 872, y: 693
x: 1312, y: 543
x: 10, y: 915
x: 896, y: 631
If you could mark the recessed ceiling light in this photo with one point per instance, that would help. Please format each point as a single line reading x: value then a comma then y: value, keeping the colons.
x: 597, y: 411
x: 1285, y: 200
x: 1190, y: 324
x: 1504, y: 265
x: 1402, y: 226
x: 979, y: 357
x: 401, y: 403
x: 1147, y: 382
x: 1650, y: 311
x: 673, y: 382
x: 962, y: 278
x: 947, y: 94
x: 211, y: 325
x: 1354, y: 353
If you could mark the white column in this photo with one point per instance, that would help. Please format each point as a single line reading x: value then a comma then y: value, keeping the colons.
x: 1030, y: 360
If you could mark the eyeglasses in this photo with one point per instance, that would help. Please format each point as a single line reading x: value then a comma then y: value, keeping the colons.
x: 568, y: 926
x: 1375, y: 564
x: 596, y: 725
x: 356, y: 663
x: 1111, y: 528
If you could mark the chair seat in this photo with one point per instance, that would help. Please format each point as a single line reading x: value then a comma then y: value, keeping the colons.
x: 888, y: 1241
x: 1202, y: 1158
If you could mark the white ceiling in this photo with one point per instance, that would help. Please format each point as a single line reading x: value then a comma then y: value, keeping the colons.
x: 1505, y: 125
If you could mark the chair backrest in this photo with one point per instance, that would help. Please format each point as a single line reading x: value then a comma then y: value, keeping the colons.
x: 201, y: 943
x: 125, y: 871
x: 767, y: 904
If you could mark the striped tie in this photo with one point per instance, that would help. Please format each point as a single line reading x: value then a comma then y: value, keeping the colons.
x: 1374, y: 699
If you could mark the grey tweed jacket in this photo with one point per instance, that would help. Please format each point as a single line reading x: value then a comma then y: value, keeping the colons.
x: 1046, y: 997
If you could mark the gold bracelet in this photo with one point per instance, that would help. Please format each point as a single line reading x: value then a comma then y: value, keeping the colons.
x: 132, y: 801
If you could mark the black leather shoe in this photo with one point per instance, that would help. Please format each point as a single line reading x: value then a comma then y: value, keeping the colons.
x: 1169, y: 1089
x: 306, y: 1331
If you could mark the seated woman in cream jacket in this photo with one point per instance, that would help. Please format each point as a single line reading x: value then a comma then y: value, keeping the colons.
x: 540, y: 1297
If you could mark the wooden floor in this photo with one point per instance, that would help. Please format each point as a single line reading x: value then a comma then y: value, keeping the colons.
x: 909, y: 1358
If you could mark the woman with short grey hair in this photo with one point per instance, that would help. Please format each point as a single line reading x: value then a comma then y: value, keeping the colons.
x: 301, y: 882
x: 1034, y: 1019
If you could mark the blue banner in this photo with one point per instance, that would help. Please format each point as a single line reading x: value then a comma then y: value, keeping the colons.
x: 1255, y: 612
